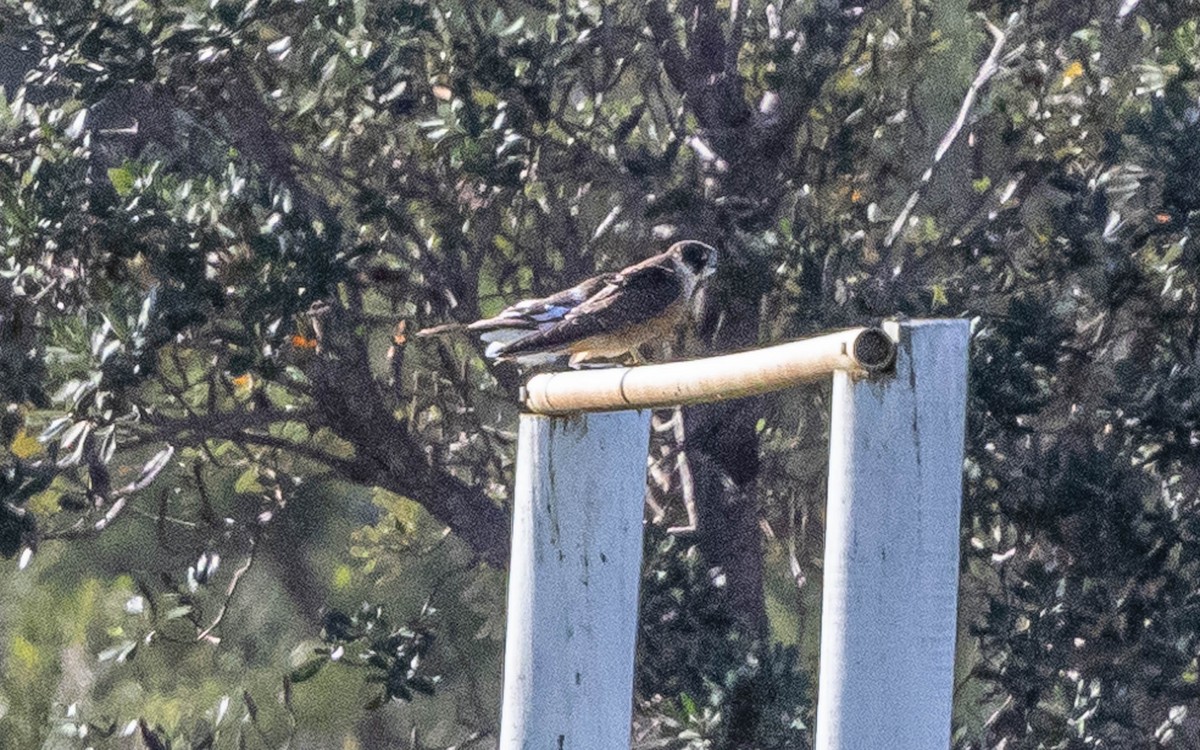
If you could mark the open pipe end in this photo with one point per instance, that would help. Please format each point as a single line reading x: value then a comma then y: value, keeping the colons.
x: 874, y: 350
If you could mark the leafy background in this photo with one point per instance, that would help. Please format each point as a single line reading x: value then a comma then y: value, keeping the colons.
x: 242, y: 508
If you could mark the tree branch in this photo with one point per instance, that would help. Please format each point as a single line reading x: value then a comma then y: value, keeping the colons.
x: 220, y: 424
x: 385, y: 453
x: 345, y: 467
x: 706, y: 43
x: 230, y: 591
x: 988, y: 69
x: 662, y: 26
x: 255, y: 135
x: 344, y: 389
x: 737, y: 17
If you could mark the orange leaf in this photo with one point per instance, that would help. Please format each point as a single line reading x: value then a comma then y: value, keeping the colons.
x: 1073, y: 71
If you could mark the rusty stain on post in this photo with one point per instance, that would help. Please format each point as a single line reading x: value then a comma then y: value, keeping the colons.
x: 861, y: 351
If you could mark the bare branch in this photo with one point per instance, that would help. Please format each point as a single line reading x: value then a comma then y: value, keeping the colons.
x: 229, y: 592
x: 988, y: 69
x: 707, y: 155
x: 687, y: 483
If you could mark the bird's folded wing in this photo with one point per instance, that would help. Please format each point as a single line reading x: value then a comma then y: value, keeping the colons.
x: 533, y: 314
x: 634, y: 296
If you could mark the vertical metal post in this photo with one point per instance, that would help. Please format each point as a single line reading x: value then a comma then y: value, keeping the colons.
x: 573, y: 581
x: 891, y: 547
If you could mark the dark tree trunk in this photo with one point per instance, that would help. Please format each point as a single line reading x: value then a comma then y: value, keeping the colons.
x: 743, y: 153
x: 355, y: 406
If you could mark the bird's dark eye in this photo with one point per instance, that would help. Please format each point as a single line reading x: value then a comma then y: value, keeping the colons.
x: 695, y: 255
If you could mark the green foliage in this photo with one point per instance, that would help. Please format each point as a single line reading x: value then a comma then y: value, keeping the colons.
x: 704, y: 684
x: 393, y: 655
x: 215, y: 215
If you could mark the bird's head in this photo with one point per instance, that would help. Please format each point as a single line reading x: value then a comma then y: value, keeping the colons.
x: 695, y: 257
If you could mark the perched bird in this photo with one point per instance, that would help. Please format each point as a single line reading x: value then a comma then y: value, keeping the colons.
x: 606, y: 316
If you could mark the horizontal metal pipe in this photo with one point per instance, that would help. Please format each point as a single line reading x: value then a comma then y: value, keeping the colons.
x: 858, y: 350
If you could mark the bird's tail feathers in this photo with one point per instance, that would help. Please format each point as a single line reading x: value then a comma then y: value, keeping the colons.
x: 441, y: 330
x: 503, y: 335
x: 495, y: 351
x: 501, y: 350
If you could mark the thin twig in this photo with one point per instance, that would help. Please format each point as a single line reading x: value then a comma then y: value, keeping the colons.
x: 687, y: 484
x: 988, y: 69
x: 231, y: 590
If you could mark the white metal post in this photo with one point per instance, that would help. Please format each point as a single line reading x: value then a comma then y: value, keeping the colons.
x: 573, y: 581
x: 891, y: 547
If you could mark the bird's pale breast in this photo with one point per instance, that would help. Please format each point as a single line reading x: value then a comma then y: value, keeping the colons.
x: 617, y: 343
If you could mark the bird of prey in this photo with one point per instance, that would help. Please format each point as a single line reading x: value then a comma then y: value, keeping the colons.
x: 606, y: 316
